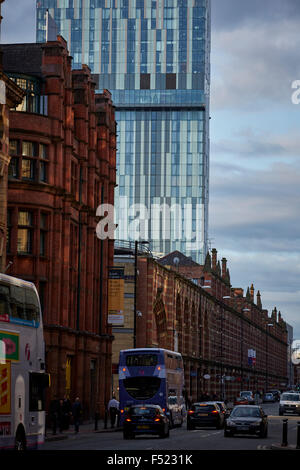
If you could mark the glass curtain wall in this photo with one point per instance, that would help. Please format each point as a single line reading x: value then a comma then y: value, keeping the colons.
x: 153, y: 55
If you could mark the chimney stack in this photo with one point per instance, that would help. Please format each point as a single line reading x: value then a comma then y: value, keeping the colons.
x: 214, y: 259
x: 224, y: 267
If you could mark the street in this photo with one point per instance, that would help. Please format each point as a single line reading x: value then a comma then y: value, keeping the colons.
x: 181, y: 439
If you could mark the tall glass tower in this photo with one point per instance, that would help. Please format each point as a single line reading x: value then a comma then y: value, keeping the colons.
x: 154, y: 57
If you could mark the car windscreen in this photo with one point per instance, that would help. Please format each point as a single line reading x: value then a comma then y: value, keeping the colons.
x: 145, y: 412
x: 241, y: 412
x: 203, y: 408
x: 290, y: 397
x: 142, y: 388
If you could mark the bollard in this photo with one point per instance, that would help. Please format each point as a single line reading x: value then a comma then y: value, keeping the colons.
x: 298, y: 435
x: 284, y: 433
x: 105, y: 420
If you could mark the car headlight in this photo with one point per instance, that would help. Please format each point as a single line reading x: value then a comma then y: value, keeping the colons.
x: 256, y: 423
x: 230, y: 423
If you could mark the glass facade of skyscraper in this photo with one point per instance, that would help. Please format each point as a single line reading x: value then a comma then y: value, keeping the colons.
x: 154, y: 57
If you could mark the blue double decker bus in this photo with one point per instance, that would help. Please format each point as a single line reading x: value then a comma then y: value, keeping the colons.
x: 152, y: 376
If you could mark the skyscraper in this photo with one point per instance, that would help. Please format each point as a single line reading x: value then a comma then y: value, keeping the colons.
x: 154, y: 57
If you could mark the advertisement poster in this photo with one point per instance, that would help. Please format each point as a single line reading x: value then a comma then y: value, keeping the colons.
x: 5, y: 385
x: 116, y: 296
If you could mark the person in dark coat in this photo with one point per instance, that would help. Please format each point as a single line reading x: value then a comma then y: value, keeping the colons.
x: 54, y: 410
x: 76, y: 412
x: 67, y: 412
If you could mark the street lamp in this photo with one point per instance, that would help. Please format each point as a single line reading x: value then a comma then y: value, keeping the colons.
x: 136, y: 244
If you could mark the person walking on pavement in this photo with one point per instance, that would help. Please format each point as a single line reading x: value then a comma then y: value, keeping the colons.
x: 113, y: 410
x: 54, y: 410
x: 76, y: 412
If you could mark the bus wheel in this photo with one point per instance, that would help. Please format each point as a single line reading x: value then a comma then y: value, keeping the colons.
x: 20, y: 441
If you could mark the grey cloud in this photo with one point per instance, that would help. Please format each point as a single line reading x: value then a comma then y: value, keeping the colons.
x: 229, y: 14
x: 253, y: 66
x: 18, y: 24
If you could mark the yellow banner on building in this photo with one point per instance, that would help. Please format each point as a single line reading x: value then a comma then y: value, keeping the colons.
x: 116, y: 296
x: 5, y: 389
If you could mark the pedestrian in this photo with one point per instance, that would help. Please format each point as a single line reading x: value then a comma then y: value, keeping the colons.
x: 54, y: 408
x: 60, y: 415
x: 67, y: 412
x: 113, y: 410
x: 76, y: 412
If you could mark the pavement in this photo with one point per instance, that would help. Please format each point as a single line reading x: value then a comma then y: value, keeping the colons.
x: 84, y: 428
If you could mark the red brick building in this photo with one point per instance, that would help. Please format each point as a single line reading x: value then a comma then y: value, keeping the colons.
x: 63, y: 165
x: 10, y: 95
x: 226, y: 338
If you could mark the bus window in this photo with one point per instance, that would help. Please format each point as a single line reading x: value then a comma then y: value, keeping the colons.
x: 141, y: 360
x: 37, y: 384
x: 31, y: 305
x: 142, y: 388
x: 4, y: 300
x: 17, y: 302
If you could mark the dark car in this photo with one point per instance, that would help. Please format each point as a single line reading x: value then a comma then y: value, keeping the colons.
x: 145, y: 419
x: 268, y: 398
x: 223, y: 408
x: 276, y: 394
x: 205, y: 414
x: 248, y: 419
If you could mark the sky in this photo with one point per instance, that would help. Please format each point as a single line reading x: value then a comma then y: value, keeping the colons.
x: 254, y: 209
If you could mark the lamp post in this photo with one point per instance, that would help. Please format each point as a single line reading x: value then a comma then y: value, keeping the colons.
x: 136, y: 244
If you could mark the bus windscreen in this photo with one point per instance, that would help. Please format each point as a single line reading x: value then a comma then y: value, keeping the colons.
x: 142, y: 388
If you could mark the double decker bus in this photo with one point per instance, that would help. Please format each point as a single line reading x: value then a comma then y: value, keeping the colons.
x: 152, y: 376
x: 22, y: 366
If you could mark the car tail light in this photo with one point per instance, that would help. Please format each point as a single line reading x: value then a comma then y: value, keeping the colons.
x: 157, y: 420
x: 190, y: 412
x: 128, y: 419
x: 214, y: 412
x: 122, y: 411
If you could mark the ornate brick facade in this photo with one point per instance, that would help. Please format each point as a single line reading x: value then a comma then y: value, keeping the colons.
x: 214, y: 327
x: 63, y: 166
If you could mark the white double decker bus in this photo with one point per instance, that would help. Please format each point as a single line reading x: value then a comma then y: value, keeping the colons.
x: 22, y: 366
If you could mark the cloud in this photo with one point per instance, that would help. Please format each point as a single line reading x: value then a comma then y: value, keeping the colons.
x: 252, y: 67
x: 229, y: 14
x: 259, y: 144
x: 18, y: 24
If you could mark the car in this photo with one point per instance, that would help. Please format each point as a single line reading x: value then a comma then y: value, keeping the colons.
x: 268, y: 398
x: 276, y: 394
x: 145, y: 419
x: 205, y: 414
x: 246, y: 419
x: 249, y: 395
x: 222, y: 407
x: 289, y: 403
x: 241, y: 401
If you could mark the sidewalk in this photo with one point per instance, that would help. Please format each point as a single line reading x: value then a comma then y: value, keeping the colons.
x: 85, y: 428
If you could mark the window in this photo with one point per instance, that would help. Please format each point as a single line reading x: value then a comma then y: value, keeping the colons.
x: 29, y: 160
x: 145, y: 81
x: 171, y: 81
x: 13, y: 169
x: 37, y: 384
x: 25, y: 232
